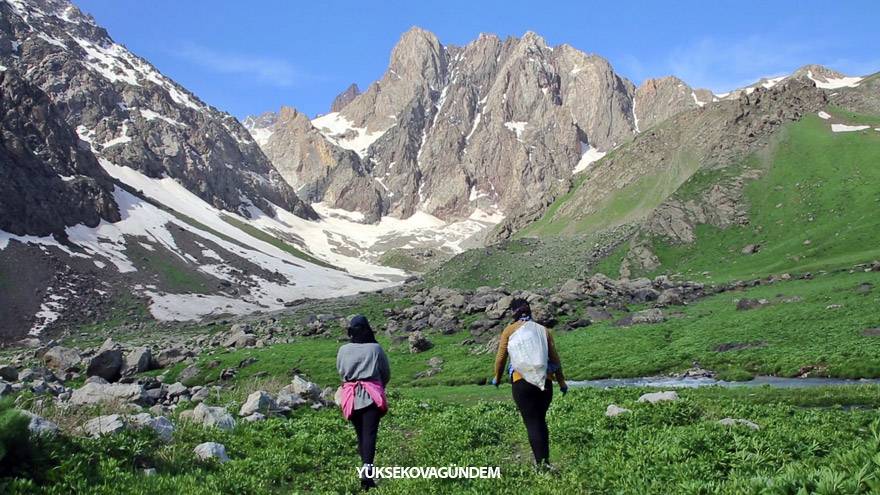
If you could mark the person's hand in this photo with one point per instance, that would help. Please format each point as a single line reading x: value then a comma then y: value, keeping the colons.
x: 495, y: 382
x: 564, y: 389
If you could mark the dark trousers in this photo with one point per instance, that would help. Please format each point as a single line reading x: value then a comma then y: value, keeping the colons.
x: 533, y: 404
x: 366, y: 425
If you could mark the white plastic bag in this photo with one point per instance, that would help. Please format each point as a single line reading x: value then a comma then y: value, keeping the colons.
x: 528, y: 353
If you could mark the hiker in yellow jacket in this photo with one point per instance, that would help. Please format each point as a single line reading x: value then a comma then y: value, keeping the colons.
x: 530, y: 399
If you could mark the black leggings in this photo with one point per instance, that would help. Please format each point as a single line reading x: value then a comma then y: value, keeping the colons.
x: 533, y: 404
x: 366, y: 425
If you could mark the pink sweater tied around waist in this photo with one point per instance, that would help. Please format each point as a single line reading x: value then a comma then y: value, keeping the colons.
x: 373, y: 388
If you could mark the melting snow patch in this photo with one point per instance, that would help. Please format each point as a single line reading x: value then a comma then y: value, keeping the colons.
x: 697, y: 100
x: 516, y: 127
x: 151, y: 115
x: 261, y: 136
x: 832, y: 83
x: 589, y: 156
x: 339, y: 130
x: 824, y: 116
x: 769, y: 83
x: 121, y: 139
x: 848, y: 128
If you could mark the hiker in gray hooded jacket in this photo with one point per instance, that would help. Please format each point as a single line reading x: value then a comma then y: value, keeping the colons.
x: 364, y: 370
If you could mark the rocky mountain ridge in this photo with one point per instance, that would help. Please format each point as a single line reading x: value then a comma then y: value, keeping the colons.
x: 493, y: 126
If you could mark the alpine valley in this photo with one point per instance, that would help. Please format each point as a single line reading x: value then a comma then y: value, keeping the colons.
x: 161, y: 259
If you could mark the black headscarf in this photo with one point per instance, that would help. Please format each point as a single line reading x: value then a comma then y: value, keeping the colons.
x: 521, y: 309
x: 359, y: 331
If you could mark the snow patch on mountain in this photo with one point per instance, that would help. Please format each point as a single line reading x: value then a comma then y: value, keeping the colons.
x: 345, y: 134
x: 588, y: 155
x: 848, y: 128
x: 834, y: 83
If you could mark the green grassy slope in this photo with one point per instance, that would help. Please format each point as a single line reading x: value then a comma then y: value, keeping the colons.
x: 816, y: 207
x: 675, y: 447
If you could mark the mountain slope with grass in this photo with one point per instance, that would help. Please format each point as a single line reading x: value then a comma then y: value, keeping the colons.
x: 780, y: 180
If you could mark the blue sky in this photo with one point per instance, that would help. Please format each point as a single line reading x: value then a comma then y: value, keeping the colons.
x: 250, y: 57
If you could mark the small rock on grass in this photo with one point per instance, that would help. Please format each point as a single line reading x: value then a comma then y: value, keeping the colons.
x: 211, y: 450
x: 739, y: 422
x: 614, y: 410
x: 655, y: 397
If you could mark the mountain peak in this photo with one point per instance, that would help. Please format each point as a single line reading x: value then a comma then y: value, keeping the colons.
x: 344, y: 98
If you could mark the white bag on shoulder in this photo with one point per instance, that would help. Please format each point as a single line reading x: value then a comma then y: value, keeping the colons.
x: 528, y: 353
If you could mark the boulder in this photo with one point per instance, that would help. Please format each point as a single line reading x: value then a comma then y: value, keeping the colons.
x: 217, y: 417
x: 5, y: 388
x: 304, y: 388
x: 751, y: 249
x: 200, y: 394
x: 579, y: 323
x: 739, y: 422
x: 100, y: 393
x: 176, y: 389
x: 189, y: 373
x: 40, y: 426
x: 287, y: 400
x: 8, y: 373
x: 62, y: 359
x: 598, y: 314
x: 104, y: 425
x: 259, y: 401
x: 107, y: 364
x: 670, y: 297
x: 254, y: 417
x: 418, y: 342
x: 614, y: 410
x: 655, y: 397
x: 138, y: 360
x: 170, y: 356
x: 161, y: 425
x: 496, y: 310
x: 747, y: 304
x: 239, y: 339
x: 211, y: 450
x: 647, y: 316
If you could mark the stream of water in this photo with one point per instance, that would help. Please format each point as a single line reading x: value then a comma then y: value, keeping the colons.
x: 758, y: 381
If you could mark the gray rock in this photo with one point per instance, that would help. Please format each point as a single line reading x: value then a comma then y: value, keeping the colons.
x: 163, y: 427
x: 211, y: 450
x: 304, y: 388
x: 189, y: 373
x: 240, y: 339
x: 253, y: 417
x: 647, y: 316
x: 739, y: 422
x: 176, y: 389
x: 217, y: 417
x: 101, y: 393
x: 656, y: 397
x: 613, y: 411
x: 288, y: 401
x: 746, y: 304
x: 138, y: 360
x: 62, y: 359
x: 170, y: 356
x: 259, y: 401
x: 40, y: 426
x: 201, y: 395
x: 751, y: 249
x: 418, y: 342
x: 5, y: 389
x: 104, y: 425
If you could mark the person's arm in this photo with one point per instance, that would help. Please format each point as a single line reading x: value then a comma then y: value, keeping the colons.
x: 501, y: 355
x: 339, y: 364
x: 554, y: 358
x: 384, y: 368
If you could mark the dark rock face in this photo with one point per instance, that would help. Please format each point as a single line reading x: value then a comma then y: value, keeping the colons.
x: 134, y: 116
x: 344, y: 98
x: 48, y: 178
